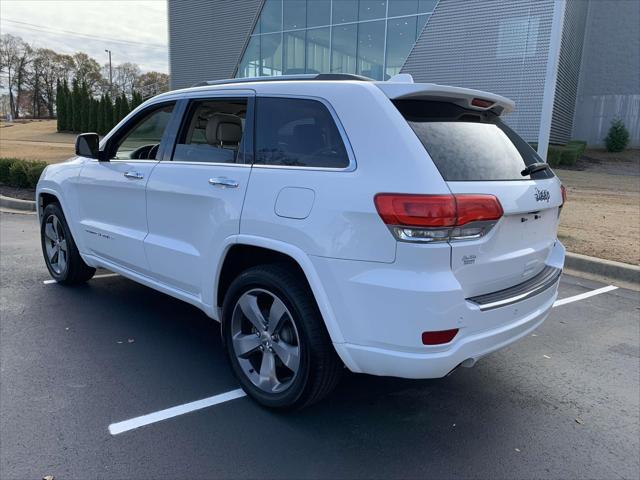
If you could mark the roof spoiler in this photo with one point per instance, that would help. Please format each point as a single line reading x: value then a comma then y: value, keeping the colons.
x: 465, y: 97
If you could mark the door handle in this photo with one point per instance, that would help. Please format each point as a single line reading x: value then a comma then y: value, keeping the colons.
x: 223, y: 182
x: 134, y: 175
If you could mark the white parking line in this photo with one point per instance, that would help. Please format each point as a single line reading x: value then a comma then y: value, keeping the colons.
x: 133, y: 423
x: 582, y: 296
x: 105, y: 275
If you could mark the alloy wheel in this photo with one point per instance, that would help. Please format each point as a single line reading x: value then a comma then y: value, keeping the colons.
x: 265, y: 340
x: 56, y: 245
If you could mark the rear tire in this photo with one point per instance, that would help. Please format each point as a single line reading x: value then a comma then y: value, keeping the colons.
x: 60, y: 252
x: 275, y: 339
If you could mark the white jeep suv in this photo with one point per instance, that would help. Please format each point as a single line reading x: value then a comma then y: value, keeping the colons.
x: 394, y: 228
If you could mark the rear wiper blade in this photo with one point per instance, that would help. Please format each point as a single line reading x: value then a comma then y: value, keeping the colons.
x: 533, y: 168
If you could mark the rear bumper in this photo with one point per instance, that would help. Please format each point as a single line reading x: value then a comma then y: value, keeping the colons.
x: 386, y: 362
x: 382, y: 311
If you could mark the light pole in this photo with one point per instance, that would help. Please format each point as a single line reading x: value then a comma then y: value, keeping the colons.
x: 110, y: 73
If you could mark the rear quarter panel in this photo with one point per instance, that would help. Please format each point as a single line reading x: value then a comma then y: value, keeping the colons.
x: 343, y: 222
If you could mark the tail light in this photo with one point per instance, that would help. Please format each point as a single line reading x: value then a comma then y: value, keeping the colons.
x: 564, y: 194
x: 438, y: 218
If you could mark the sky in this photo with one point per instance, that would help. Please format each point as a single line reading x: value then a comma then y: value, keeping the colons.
x: 134, y: 31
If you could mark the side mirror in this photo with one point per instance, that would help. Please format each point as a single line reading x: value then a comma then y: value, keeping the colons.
x: 87, y: 145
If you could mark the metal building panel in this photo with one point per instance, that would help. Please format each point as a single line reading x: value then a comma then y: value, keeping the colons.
x: 564, y: 102
x: 206, y: 38
x: 491, y: 45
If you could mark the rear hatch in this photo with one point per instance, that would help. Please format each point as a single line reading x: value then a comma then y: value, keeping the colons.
x: 477, y: 153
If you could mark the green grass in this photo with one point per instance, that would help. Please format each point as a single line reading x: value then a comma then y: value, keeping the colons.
x: 19, y: 173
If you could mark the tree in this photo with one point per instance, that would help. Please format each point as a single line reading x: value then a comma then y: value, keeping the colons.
x: 86, y: 70
x: 60, y: 106
x: 108, y: 113
x: 117, y: 110
x: 152, y: 83
x: 100, y: 116
x: 125, y: 77
x: 69, y: 120
x: 76, y: 102
x: 15, y: 57
x: 125, y: 106
x: 85, y: 100
x: 618, y: 137
x: 48, y: 72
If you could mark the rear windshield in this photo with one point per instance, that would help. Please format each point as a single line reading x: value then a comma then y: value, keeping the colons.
x: 467, y: 145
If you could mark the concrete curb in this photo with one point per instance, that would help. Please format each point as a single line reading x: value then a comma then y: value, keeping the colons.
x: 604, y: 268
x: 17, y: 204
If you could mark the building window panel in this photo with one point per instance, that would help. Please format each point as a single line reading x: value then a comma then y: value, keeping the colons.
x: 271, y: 16
x: 271, y: 54
x: 318, y: 54
x: 345, y: 11
x: 371, y: 49
x: 401, y: 35
x: 372, y: 9
x: 402, y: 7
x: 318, y: 13
x: 344, y: 48
x: 294, y: 53
x: 250, y: 64
x: 294, y: 13
x: 426, y: 6
x: 422, y: 19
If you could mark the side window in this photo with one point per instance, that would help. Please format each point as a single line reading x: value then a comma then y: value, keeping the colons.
x: 212, y: 131
x: 299, y: 133
x: 142, y: 140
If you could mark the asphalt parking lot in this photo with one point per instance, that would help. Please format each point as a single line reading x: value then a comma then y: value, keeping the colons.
x: 562, y: 403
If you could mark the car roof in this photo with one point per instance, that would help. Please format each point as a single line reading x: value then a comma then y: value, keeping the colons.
x: 399, y: 87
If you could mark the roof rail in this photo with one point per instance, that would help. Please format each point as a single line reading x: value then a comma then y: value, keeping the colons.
x: 305, y: 76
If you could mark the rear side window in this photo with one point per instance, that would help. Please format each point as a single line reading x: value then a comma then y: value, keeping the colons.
x: 297, y: 133
x: 466, y: 145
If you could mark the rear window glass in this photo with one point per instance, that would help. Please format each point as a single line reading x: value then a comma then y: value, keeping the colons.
x: 298, y: 133
x: 466, y: 145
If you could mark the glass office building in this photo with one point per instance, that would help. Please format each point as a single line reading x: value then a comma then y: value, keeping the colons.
x: 366, y: 37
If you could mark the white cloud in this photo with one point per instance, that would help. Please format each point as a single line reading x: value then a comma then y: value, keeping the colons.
x: 134, y: 31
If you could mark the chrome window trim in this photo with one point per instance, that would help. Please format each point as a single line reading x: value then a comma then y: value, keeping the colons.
x: 343, y: 134
x: 213, y: 164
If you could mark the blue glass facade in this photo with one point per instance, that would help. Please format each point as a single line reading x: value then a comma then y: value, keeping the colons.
x: 366, y: 37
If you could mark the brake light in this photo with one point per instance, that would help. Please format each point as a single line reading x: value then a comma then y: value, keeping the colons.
x: 439, y: 337
x: 564, y: 194
x: 479, y: 102
x: 432, y: 218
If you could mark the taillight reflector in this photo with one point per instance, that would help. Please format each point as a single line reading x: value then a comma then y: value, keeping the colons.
x: 436, y: 210
x: 438, y: 337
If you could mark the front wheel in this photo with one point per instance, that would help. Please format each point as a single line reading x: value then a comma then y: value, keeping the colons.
x: 60, y: 252
x: 276, y: 340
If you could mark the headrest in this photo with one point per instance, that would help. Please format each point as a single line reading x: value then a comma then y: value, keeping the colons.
x: 224, y: 128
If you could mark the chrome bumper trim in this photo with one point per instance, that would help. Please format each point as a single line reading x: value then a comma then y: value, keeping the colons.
x: 535, y: 285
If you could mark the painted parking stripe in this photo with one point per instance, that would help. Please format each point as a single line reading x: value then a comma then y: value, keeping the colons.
x: 582, y: 296
x: 105, y: 275
x: 133, y: 423
x: 137, y: 422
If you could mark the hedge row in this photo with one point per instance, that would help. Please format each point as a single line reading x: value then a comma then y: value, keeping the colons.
x: 20, y: 173
x: 565, y: 155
